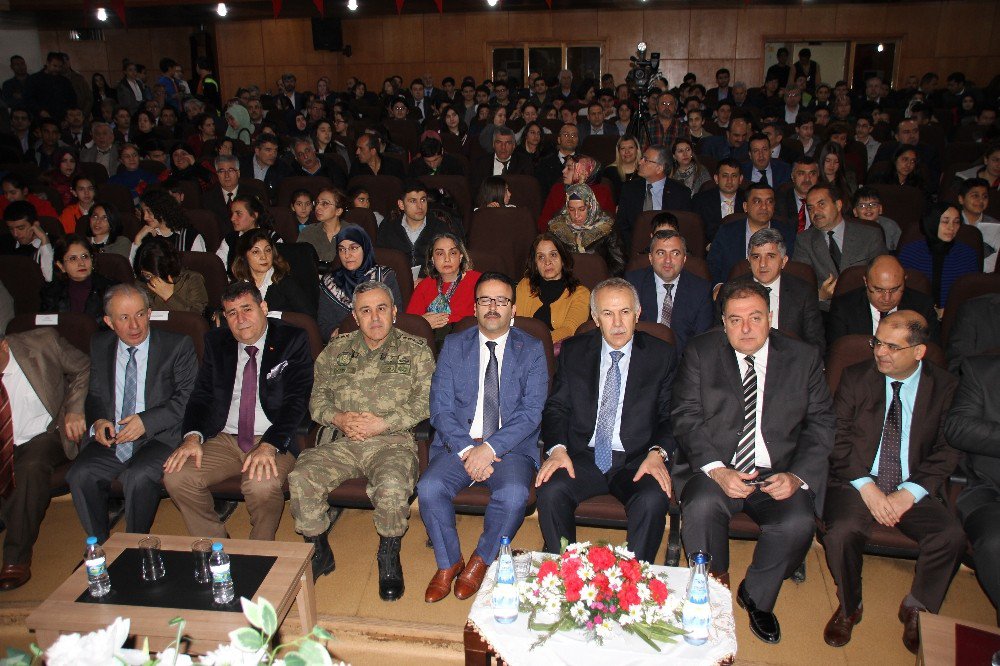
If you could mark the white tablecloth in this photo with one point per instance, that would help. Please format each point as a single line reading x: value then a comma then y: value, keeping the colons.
x: 513, y: 641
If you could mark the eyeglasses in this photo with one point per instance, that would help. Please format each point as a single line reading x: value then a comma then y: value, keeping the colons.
x: 863, y: 205
x: 487, y: 301
x: 875, y: 343
x: 78, y: 257
x: 885, y: 292
x: 227, y: 172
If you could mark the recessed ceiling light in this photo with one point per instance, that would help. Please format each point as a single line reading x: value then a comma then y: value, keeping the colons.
x: 102, y: 14
x: 222, y: 10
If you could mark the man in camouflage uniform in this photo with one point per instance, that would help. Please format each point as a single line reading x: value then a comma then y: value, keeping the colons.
x: 372, y: 386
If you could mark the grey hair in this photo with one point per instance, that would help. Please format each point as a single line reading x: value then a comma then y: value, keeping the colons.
x: 222, y: 160
x: 663, y: 156
x: 301, y: 140
x: 766, y: 236
x: 739, y: 84
x: 124, y: 289
x: 502, y: 130
x: 612, y: 283
x: 371, y: 285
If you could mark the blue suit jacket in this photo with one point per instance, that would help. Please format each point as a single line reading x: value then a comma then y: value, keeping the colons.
x: 780, y: 172
x: 692, y: 303
x: 524, y: 385
x: 729, y: 247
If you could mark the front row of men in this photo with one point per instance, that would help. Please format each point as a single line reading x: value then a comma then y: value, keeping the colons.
x: 743, y: 422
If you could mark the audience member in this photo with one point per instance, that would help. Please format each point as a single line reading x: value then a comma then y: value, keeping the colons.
x: 729, y: 247
x: 104, y: 230
x: 75, y: 286
x: 940, y: 257
x: 446, y: 295
x: 258, y: 261
x: 549, y: 291
x: 587, y: 229
x: 157, y: 265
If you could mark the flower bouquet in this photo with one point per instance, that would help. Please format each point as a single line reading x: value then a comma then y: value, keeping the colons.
x: 594, y: 589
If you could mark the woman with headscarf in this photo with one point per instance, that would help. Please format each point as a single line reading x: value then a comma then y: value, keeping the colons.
x: 582, y: 169
x: 587, y: 229
x: 184, y: 166
x: 357, y: 265
x: 239, y: 125
x: 938, y: 255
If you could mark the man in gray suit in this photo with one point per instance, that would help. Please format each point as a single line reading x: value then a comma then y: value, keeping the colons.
x: 833, y: 244
x: 103, y: 149
x: 135, y: 403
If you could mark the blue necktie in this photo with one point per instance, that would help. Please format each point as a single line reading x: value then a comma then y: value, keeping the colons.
x: 491, y: 394
x: 123, y: 451
x: 606, y: 414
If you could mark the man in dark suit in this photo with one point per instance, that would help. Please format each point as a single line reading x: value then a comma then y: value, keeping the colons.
x: 731, y: 144
x: 251, y: 395
x: 231, y: 185
x: 716, y: 203
x: 487, y: 395
x: 307, y: 163
x: 908, y: 133
x: 973, y: 426
x: 976, y: 329
x: 501, y: 162
x: 592, y: 449
x: 42, y: 390
x: 550, y: 168
x: 751, y: 406
x: 433, y: 161
x: 652, y: 190
x: 794, y: 308
x: 790, y: 202
x: 730, y: 244
x: 860, y: 310
x: 668, y: 294
x: 833, y: 244
x: 761, y: 168
x: 134, y: 404
x: 371, y: 161
x: 596, y: 125
x: 264, y: 165
x: 888, y: 465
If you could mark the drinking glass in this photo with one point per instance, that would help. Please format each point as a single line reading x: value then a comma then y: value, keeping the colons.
x: 152, y: 567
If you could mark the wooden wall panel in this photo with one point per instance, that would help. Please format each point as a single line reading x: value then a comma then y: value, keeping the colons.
x: 804, y: 21
x: 713, y: 34
x: 624, y: 30
x: 403, y: 40
x: 365, y: 38
x: 862, y: 20
x: 444, y: 40
x: 965, y: 29
x: 752, y: 25
x: 667, y: 31
x: 534, y: 25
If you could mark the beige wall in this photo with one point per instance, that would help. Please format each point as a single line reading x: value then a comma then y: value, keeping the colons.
x: 935, y: 36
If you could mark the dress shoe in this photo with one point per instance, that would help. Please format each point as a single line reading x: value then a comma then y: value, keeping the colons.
x: 13, y: 576
x: 910, y: 617
x: 390, y: 570
x: 763, y: 624
x: 838, y: 629
x: 224, y: 509
x: 440, y: 585
x: 116, y: 509
x: 322, y: 559
x: 468, y: 582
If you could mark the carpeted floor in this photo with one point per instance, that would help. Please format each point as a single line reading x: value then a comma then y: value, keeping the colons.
x: 369, y: 631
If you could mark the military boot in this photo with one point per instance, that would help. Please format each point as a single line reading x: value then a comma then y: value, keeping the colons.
x: 322, y: 559
x: 390, y: 570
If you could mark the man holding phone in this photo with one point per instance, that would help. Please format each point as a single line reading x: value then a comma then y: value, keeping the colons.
x: 139, y: 386
x: 755, y: 426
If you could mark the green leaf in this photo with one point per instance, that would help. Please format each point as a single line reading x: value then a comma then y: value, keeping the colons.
x: 320, y: 632
x: 35, y: 650
x: 539, y: 626
x: 563, y: 544
x: 175, y: 621
x: 269, y: 619
x: 252, y: 612
x: 293, y: 659
x: 247, y: 639
x: 641, y: 632
x: 16, y: 657
x: 314, y: 653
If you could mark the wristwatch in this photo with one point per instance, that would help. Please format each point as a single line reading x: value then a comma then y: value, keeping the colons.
x: 661, y: 451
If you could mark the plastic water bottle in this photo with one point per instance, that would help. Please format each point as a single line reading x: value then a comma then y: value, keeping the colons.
x: 222, y: 576
x: 697, y: 610
x: 505, y: 599
x: 97, y: 568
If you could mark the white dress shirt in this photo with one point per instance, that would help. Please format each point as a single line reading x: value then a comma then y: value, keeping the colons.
x: 476, y: 429
x: 30, y: 416
x: 260, y: 421
x: 623, y: 366
x: 876, y: 315
x: 43, y: 257
x: 266, y: 282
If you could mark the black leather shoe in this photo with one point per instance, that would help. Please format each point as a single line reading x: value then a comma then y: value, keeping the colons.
x: 322, y: 559
x: 390, y: 570
x: 763, y: 624
x: 116, y: 509
x: 225, y: 508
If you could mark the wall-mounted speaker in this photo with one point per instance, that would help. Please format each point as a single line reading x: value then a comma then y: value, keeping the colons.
x: 328, y: 34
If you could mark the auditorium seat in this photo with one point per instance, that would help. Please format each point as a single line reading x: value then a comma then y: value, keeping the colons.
x: 853, y: 278
x: 590, y: 269
x: 285, y: 224
x: 384, y: 191
x: 458, y: 188
x: 314, y: 184
x: 307, y: 324
x: 115, y: 194
x: 507, y: 233
x: 400, y: 263
x: 205, y: 223
x: 364, y: 218
x: 964, y: 288
x: 185, y: 323
x: 524, y: 193
x: 114, y: 267
x: 76, y: 328
x: 691, y: 229
x: 23, y: 279
x: 211, y: 268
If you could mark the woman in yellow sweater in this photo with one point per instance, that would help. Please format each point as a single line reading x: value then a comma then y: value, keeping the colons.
x: 549, y: 292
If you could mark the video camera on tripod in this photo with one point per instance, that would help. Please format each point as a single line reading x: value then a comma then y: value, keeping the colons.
x: 640, y: 83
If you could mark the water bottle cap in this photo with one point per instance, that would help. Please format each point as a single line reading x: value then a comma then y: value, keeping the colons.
x: 505, y: 541
x: 701, y: 558
x: 91, y: 541
x: 216, y: 546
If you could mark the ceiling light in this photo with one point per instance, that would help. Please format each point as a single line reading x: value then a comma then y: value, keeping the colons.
x: 492, y: 3
x: 102, y: 14
x: 352, y: 5
x: 222, y: 10
x: 880, y: 47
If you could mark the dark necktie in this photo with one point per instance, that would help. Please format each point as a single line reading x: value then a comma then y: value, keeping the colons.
x: 606, y: 414
x: 248, y: 402
x: 123, y: 450
x: 802, y: 216
x: 890, y: 467
x: 491, y: 394
x: 6, y: 443
x: 763, y: 177
x: 229, y: 198
x: 505, y: 164
x: 744, y: 459
x: 667, y: 311
x: 834, y: 250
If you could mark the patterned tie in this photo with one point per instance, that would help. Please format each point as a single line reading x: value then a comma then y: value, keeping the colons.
x: 606, y: 414
x: 667, y: 311
x: 248, y: 402
x: 744, y: 459
x: 890, y: 467
x: 802, y: 216
x: 834, y: 250
x: 123, y: 450
x: 6, y: 443
x: 491, y: 394
x: 648, y: 203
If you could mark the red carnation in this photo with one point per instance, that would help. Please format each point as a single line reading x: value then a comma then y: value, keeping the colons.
x: 628, y: 596
x: 659, y: 590
x: 601, y: 557
x: 631, y: 569
x: 548, y: 568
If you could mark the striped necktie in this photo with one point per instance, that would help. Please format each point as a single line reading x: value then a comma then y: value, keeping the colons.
x: 744, y: 459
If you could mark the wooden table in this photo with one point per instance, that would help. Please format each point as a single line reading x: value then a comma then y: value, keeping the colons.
x: 937, y: 639
x: 290, y: 579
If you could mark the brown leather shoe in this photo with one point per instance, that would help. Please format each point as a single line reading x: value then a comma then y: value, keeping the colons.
x: 467, y: 584
x: 440, y: 585
x: 910, y: 617
x: 838, y: 629
x: 13, y: 576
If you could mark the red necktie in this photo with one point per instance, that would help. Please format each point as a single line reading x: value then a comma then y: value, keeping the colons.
x: 802, y: 216
x: 248, y: 402
x: 6, y: 443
